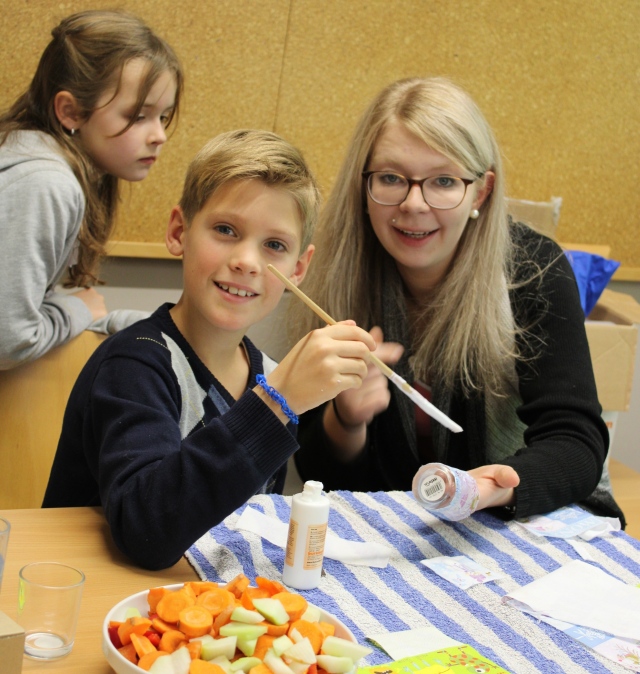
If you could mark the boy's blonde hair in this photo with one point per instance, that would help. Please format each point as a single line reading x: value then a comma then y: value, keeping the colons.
x: 249, y: 154
x: 470, y: 337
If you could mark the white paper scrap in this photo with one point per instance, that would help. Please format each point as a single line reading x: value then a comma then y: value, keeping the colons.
x: 582, y: 594
x: 409, y: 643
x: 460, y: 570
x: 348, y: 552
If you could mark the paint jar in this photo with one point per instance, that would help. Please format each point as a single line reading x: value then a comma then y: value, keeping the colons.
x: 305, y: 541
x: 452, y: 492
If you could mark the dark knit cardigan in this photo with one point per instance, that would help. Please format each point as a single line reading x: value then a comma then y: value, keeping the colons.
x: 565, y: 438
x: 154, y: 438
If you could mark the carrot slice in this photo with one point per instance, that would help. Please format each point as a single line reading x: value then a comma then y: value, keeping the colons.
x: 129, y: 652
x: 154, y: 595
x: 310, y: 630
x: 294, y: 604
x: 171, y: 604
x: 200, y: 586
x: 328, y: 629
x: 142, y: 644
x: 263, y: 645
x: 272, y: 586
x: 194, y: 648
x: 171, y: 641
x: 216, y: 600
x: 238, y: 585
x: 160, y: 626
x: 195, y: 621
x: 204, y: 667
x: 260, y: 669
x: 147, y: 660
x: 252, y: 593
x: 222, y: 619
x: 275, y: 630
x: 137, y: 624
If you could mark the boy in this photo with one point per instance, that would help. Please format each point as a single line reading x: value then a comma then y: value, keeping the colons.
x: 169, y: 426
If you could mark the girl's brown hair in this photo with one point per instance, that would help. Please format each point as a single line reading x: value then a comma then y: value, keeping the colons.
x: 85, y: 57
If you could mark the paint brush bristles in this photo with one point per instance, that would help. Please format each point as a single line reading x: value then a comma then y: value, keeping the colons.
x: 406, y: 388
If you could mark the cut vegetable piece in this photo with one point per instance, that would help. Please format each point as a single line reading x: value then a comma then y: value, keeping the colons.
x: 298, y: 667
x: 132, y: 612
x: 252, y: 593
x: 238, y: 585
x: 311, y: 631
x: 276, y: 664
x: 301, y: 651
x: 171, y: 604
x: 195, y: 621
x: 260, y: 669
x: 312, y: 614
x: 221, y: 620
x: 138, y: 624
x: 142, y: 644
x: 265, y: 642
x: 245, y: 664
x: 334, y: 664
x: 294, y: 604
x: 281, y: 644
x: 272, y: 586
x: 177, y: 662
x: 343, y: 648
x: 242, y: 630
x: 294, y: 634
x: 216, y: 600
x: 243, y: 615
x: 129, y: 652
x: 328, y: 629
x: 222, y: 662
x: 276, y: 630
x: 213, y: 648
x: 272, y: 609
x: 172, y: 640
x: 147, y: 660
x: 247, y: 646
x: 202, y: 667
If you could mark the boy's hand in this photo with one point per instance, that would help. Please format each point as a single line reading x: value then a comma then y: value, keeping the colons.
x: 359, y: 406
x: 322, y: 364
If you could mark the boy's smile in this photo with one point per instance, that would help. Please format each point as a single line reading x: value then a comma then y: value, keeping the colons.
x: 244, y: 226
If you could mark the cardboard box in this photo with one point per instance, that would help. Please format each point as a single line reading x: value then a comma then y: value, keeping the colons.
x: 11, y: 645
x: 613, y: 338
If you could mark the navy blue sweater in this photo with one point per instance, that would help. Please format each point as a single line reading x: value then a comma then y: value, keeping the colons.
x: 154, y: 438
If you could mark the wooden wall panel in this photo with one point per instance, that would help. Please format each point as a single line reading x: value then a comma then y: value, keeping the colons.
x: 558, y: 80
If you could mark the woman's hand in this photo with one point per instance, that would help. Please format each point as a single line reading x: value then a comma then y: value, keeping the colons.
x: 359, y: 406
x: 94, y: 301
x: 496, y: 484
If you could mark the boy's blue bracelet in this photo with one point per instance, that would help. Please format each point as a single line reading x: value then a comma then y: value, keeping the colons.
x: 274, y: 395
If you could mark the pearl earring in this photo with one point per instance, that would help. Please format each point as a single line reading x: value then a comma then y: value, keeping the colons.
x: 73, y: 131
x: 475, y: 214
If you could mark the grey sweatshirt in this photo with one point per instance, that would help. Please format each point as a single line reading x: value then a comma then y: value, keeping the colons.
x: 41, y: 210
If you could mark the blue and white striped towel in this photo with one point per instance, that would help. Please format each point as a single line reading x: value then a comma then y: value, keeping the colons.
x: 406, y: 595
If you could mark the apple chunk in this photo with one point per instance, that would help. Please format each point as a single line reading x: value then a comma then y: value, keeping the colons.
x: 344, y: 649
x: 272, y: 610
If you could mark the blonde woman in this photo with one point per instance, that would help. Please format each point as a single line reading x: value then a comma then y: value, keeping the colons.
x: 480, y: 314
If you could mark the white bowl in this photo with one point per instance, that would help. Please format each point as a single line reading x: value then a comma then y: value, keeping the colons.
x: 123, y: 666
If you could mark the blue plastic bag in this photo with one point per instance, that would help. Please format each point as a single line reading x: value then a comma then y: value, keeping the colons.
x: 592, y: 273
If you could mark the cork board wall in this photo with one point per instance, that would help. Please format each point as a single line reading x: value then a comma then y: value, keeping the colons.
x: 559, y: 80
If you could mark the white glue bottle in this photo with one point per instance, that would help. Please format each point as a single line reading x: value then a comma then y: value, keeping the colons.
x: 305, y: 541
x: 452, y: 492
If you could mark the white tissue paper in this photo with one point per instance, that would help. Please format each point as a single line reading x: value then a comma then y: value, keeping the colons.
x: 348, y: 552
x: 582, y: 594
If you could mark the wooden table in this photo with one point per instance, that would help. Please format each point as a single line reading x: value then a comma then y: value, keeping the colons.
x: 79, y: 537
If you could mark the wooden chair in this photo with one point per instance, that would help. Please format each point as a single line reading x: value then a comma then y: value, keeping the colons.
x: 33, y: 398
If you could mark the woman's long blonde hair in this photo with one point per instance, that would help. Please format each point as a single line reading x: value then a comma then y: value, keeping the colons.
x: 470, y: 338
x: 85, y: 56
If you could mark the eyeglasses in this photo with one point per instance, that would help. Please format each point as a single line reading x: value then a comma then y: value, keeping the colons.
x: 441, y: 192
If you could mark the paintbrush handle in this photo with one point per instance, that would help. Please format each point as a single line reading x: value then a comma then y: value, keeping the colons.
x: 406, y: 388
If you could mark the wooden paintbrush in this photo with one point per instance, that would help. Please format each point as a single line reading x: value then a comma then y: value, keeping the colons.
x: 406, y: 388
